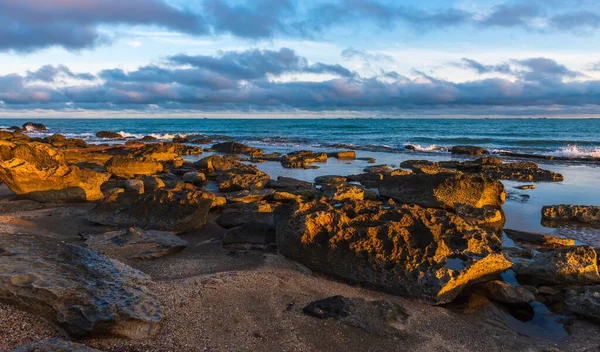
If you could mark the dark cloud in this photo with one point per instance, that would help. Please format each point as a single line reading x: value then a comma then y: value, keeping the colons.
x: 51, y: 74
x: 511, y: 16
x: 239, y: 81
x: 481, y: 68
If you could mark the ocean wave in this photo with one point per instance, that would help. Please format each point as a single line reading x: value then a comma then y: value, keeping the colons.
x: 573, y: 151
x: 426, y: 148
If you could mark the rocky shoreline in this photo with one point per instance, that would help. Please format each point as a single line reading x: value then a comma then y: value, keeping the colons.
x: 131, y: 247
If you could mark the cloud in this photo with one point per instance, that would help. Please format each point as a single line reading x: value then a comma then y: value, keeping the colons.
x: 350, y: 53
x: 239, y: 81
x: 481, y: 68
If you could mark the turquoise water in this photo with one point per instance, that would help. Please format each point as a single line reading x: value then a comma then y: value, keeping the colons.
x: 564, y: 137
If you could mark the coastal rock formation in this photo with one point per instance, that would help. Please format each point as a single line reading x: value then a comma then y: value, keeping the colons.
x: 345, y: 155
x: 567, y: 266
x: 563, y: 212
x: 506, y: 293
x: 373, y: 317
x: 109, y: 135
x: 125, y: 167
x: 242, y: 180
x: 539, y: 238
x: 236, y: 148
x: 442, y: 190
x: 38, y: 172
x: 468, y: 149
x: 424, y: 253
x: 34, y: 127
x: 303, y: 159
x: 586, y: 304
x: 55, y: 345
x: 136, y: 243
x: 180, y: 209
x: 76, y: 288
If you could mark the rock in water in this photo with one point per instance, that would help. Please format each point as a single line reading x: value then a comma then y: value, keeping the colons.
x: 76, y: 288
x: 429, y: 254
x: 468, y: 149
x: 374, y: 317
x: 180, y: 209
x: 586, y: 304
x: 55, y: 345
x: 581, y: 213
x: 136, y: 243
x: 38, y: 172
x: 567, y: 266
x: 443, y: 190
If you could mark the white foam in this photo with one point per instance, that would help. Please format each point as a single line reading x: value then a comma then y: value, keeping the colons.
x: 428, y: 148
x: 573, y: 151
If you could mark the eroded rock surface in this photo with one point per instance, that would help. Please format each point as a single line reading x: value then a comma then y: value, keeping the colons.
x: 76, y: 288
x: 563, y: 212
x: 55, y: 345
x: 402, y: 249
x: 567, y: 266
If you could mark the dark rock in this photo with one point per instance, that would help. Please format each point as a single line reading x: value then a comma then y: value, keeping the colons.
x: 373, y: 317
x: 136, y: 186
x: 249, y: 236
x: 469, y: 150
x: 76, y: 288
x: 586, y: 304
x: 149, y: 138
x: 345, y: 155
x: 55, y: 345
x: 109, y: 135
x: 539, y: 238
x: 236, y: 148
x: 233, y: 219
x: 567, y: 266
x: 563, y: 212
x: 32, y: 127
x: 503, y: 292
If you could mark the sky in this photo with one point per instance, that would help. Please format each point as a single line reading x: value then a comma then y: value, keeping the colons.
x: 300, y: 58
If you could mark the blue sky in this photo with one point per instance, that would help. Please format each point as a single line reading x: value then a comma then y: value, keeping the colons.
x: 365, y: 57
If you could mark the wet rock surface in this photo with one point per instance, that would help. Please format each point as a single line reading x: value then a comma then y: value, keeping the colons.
x: 581, y: 213
x: 404, y: 249
x: 55, y: 345
x: 79, y: 290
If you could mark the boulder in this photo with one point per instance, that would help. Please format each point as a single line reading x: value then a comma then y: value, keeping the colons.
x: 55, y: 345
x: 180, y: 209
x: 506, y: 293
x: 57, y: 140
x: 429, y: 254
x: 468, y: 150
x: 373, y: 317
x: 539, y: 238
x: 567, y: 266
x: 343, y: 192
x: 345, y: 155
x: 236, y: 148
x: 586, y: 304
x: 152, y: 183
x: 34, y: 127
x: 194, y: 177
x: 109, y: 135
x: 76, y: 288
x: 38, y: 172
x: 126, y: 167
x: 149, y: 138
x: 136, y: 243
x: 238, y: 180
x: 581, y: 213
x: 136, y: 186
x: 443, y: 190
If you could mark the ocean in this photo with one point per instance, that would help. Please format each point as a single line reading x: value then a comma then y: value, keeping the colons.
x: 559, y: 137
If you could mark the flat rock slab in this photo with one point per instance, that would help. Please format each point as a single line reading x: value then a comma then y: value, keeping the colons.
x: 373, y: 317
x: 76, y: 288
x: 136, y: 243
x: 55, y: 345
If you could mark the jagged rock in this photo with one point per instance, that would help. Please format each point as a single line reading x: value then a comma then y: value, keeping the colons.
x: 567, y: 266
x: 523, y: 172
x: 57, y: 140
x: 330, y: 180
x: 249, y: 236
x: 233, y: 219
x: 55, y: 345
x: 136, y: 243
x: 180, y: 209
x: 469, y: 150
x: 539, y: 238
x: 238, y: 180
x: 343, y: 192
x: 216, y: 163
x: 563, y: 212
x: 136, y: 186
x: 401, y: 249
x: 247, y: 196
x: 373, y: 317
x: 125, y: 167
x: 586, y: 304
x: 293, y: 186
x: 109, y: 135
x: 443, y: 190
x: 345, y: 155
x: 503, y: 292
x: 236, y: 148
x: 479, y: 216
x: 167, y: 152
x: 33, y: 127
x: 303, y: 159
x: 38, y: 172
x: 79, y: 290
x: 194, y: 177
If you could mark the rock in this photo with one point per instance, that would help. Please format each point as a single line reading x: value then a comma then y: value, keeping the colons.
x: 233, y: 219
x: 345, y: 155
x: 469, y: 150
x: 125, y: 167
x: 343, y: 192
x: 76, y: 288
x: 539, y: 238
x: 586, y: 304
x: 55, y: 345
x: 303, y: 159
x: 149, y: 138
x: 383, y: 168
x: 506, y: 293
x: 180, y: 209
x: 216, y: 163
x: 236, y: 148
x: 166, y: 152
x: 136, y: 186
x: 245, y: 180
x: 479, y: 216
x: 152, y: 183
x: 247, y: 196
x: 330, y: 180
x: 34, y: 127
x: 373, y: 317
x: 57, y: 140
x: 136, y: 243
x: 525, y: 187
x: 563, y: 212
x: 249, y: 236
x: 38, y: 172
x: 443, y: 190
x: 567, y: 266
x: 109, y: 135
x: 401, y: 249
x: 195, y: 178
x: 523, y: 172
